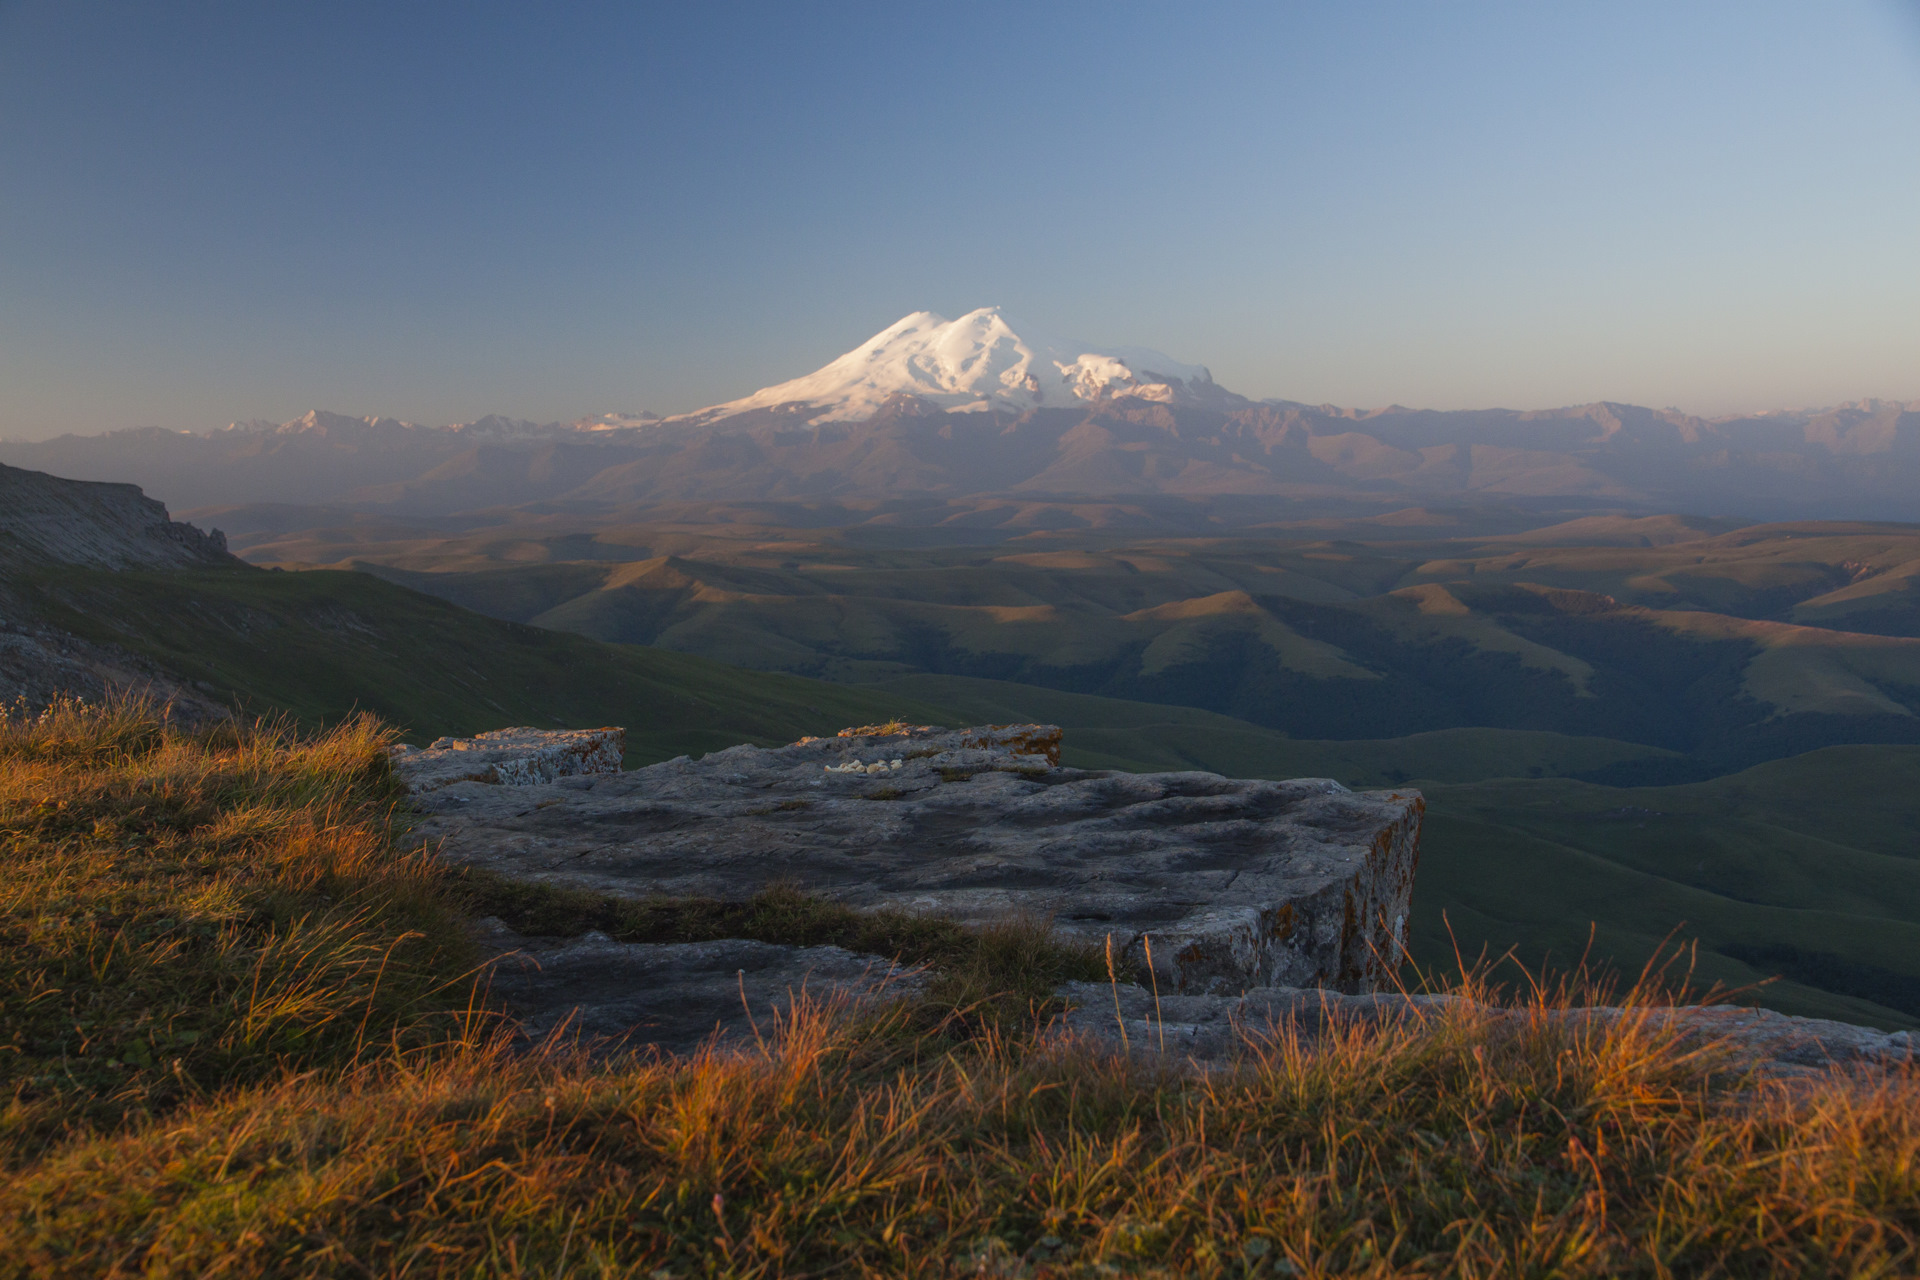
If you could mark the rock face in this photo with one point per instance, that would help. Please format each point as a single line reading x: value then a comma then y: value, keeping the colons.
x: 1227, y: 884
x: 46, y: 521
x: 1217, y: 1028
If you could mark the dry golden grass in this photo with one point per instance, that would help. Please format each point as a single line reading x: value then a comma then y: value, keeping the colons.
x: 1444, y: 1150
x: 860, y: 1144
x: 185, y: 911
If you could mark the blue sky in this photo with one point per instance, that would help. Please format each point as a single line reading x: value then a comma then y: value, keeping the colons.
x: 211, y: 212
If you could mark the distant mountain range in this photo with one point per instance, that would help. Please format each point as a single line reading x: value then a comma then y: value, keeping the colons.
x: 951, y: 409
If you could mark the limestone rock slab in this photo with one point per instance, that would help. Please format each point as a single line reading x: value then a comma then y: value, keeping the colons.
x: 1230, y: 884
x: 511, y: 758
x: 675, y: 996
x: 1218, y: 1028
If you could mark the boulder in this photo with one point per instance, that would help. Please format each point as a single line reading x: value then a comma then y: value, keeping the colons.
x: 1223, y: 884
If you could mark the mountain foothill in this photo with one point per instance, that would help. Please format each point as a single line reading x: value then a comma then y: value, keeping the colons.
x: 1654, y: 671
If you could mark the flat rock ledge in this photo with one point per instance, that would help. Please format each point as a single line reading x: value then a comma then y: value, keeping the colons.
x: 1228, y: 884
x: 511, y: 758
x: 677, y: 997
x: 1206, y: 1028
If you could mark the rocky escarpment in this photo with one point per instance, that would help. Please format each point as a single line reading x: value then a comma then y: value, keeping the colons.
x: 676, y: 996
x: 511, y: 757
x: 46, y: 519
x: 1218, y: 884
x: 45, y: 522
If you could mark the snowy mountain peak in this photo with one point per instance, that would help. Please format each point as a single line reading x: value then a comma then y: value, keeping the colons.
x: 978, y: 363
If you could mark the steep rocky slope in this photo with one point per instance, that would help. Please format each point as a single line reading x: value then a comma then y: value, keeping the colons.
x: 47, y: 519
x: 46, y: 522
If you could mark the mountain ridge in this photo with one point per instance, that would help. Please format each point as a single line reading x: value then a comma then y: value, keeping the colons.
x: 970, y: 407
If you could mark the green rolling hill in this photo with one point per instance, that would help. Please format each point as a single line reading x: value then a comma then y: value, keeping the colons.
x: 321, y: 646
x: 1712, y: 649
x: 1807, y: 867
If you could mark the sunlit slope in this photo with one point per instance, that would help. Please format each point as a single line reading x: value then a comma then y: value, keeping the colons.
x: 321, y: 645
x: 1113, y: 733
x: 1417, y: 659
x: 1849, y: 576
x: 1331, y: 640
x: 1807, y: 866
x: 1777, y: 572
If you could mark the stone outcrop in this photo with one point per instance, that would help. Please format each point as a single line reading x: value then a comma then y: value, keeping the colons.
x: 512, y: 758
x: 1218, y: 1028
x: 1228, y: 884
x: 40, y: 665
x: 1268, y: 907
x: 675, y: 996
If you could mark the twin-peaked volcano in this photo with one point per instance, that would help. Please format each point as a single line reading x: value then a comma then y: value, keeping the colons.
x: 978, y: 363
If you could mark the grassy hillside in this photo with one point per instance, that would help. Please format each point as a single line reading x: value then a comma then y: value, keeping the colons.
x: 324, y: 645
x: 1806, y: 867
x: 1114, y: 733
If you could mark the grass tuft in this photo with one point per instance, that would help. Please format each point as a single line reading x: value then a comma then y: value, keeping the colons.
x: 1443, y: 1149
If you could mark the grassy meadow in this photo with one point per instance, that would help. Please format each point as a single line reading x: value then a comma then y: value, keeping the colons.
x: 1803, y: 871
x: 239, y: 1036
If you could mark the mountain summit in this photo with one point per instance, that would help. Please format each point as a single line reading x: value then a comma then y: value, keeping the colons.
x: 975, y: 364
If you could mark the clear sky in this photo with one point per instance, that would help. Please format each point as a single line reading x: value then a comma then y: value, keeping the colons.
x: 435, y: 211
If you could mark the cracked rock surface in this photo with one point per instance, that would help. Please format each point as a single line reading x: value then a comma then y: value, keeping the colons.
x: 675, y: 995
x: 511, y: 758
x: 1269, y: 905
x: 1231, y: 884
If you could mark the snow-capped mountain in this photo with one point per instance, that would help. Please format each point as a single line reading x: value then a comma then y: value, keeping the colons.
x: 977, y: 363
x: 979, y: 405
